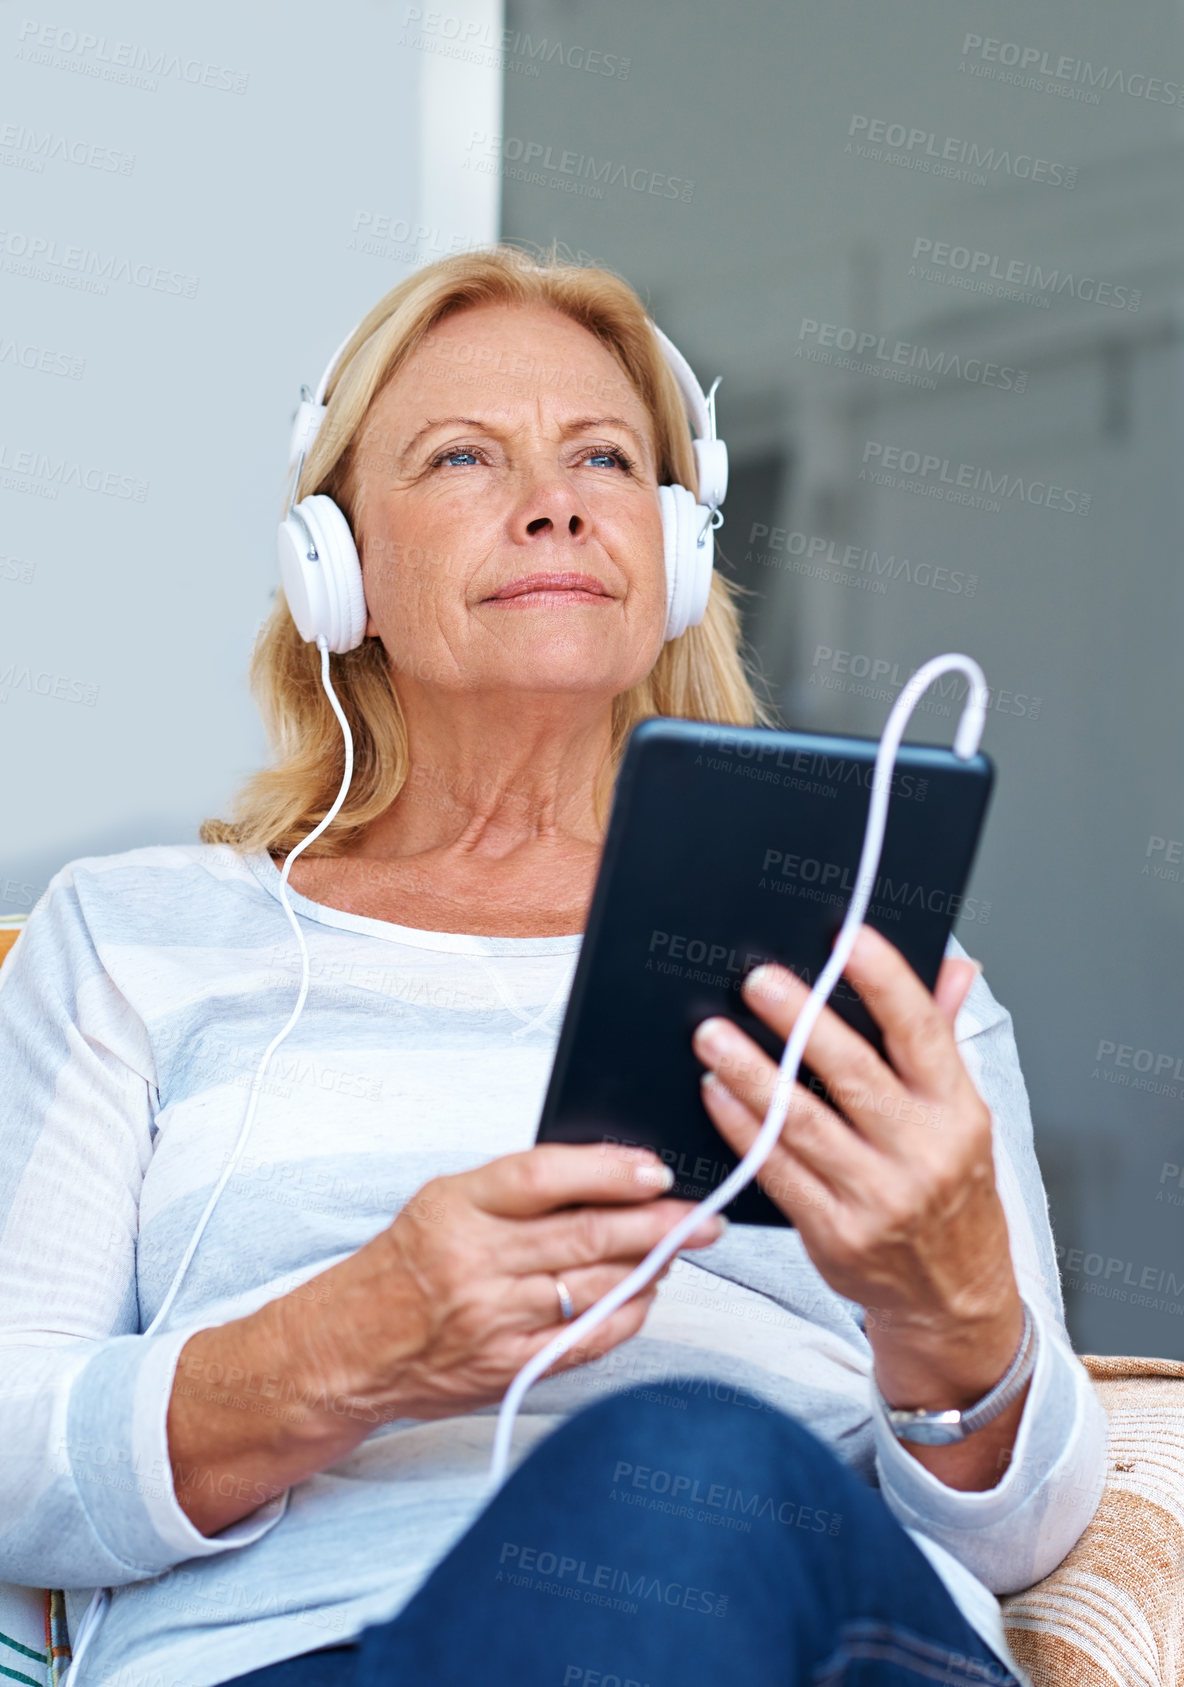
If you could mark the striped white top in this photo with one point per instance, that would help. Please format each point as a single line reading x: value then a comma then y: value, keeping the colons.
x: 134, y: 1010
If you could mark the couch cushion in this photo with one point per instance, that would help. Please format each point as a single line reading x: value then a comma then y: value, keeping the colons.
x: 22, y: 1635
x: 1112, y: 1615
x: 10, y: 930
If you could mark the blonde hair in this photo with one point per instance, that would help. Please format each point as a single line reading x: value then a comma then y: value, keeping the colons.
x: 704, y: 675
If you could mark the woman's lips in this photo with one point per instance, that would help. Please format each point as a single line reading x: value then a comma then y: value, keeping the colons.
x: 563, y: 588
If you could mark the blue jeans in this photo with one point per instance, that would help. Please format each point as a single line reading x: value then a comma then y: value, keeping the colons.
x: 644, y: 1545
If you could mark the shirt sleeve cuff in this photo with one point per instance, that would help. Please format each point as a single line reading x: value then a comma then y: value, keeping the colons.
x: 117, y: 1442
x: 1023, y: 1526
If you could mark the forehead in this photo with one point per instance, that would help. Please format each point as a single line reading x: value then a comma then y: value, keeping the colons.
x: 503, y: 357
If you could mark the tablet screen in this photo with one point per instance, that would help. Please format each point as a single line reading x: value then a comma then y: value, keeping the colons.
x: 728, y: 846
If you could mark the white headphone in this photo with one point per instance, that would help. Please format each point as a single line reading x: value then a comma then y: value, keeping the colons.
x: 322, y: 576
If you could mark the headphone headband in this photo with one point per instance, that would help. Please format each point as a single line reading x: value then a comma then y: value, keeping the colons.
x: 323, y: 384
x: 700, y: 411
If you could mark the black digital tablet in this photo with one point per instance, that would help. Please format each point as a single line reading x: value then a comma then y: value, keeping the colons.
x: 728, y: 846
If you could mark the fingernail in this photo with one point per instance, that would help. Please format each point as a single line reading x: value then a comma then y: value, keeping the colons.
x: 767, y: 980
x: 652, y: 1176
x: 704, y: 1226
x: 712, y: 1036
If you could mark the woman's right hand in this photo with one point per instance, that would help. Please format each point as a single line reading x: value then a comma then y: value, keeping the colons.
x: 438, y: 1313
x: 434, y: 1316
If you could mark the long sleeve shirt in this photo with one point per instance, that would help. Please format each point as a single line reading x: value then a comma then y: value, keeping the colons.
x: 134, y: 1011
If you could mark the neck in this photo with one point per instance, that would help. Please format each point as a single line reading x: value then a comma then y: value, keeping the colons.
x: 487, y: 783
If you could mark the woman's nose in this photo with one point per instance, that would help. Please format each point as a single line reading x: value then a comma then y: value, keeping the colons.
x: 541, y: 523
x: 552, y: 506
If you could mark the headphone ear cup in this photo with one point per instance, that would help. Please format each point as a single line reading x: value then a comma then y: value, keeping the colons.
x: 688, y: 562
x: 321, y: 574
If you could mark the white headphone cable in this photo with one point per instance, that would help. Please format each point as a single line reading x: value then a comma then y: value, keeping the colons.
x: 101, y: 1597
x: 966, y: 742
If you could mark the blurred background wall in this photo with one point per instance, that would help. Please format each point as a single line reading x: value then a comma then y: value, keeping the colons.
x: 197, y: 206
x: 936, y: 254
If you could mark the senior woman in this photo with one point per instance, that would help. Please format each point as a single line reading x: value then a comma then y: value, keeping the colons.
x: 285, y: 1481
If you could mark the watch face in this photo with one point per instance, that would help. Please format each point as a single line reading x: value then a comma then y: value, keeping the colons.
x: 928, y: 1429
x: 942, y: 1429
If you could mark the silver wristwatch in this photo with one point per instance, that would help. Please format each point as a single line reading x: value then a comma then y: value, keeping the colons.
x: 942, y: 1429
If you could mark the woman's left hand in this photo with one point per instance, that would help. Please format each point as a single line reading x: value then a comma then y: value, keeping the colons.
x: 892, y: 1185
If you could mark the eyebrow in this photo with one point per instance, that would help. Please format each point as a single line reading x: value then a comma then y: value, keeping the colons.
x: 584, y: 424
x: 587, y: 423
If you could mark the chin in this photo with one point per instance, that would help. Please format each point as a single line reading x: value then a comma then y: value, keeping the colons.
x: 572, y: 667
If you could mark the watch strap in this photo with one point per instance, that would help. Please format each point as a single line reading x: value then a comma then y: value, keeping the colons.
x: 941, y: 1429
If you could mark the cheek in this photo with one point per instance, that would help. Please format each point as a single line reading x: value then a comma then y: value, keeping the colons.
x: 656, y: 570
x: 419, y: 556
x: 655, y: 539
x: 636, y: 542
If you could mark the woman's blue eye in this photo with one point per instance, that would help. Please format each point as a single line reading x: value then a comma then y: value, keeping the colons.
x: 463, y: 455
